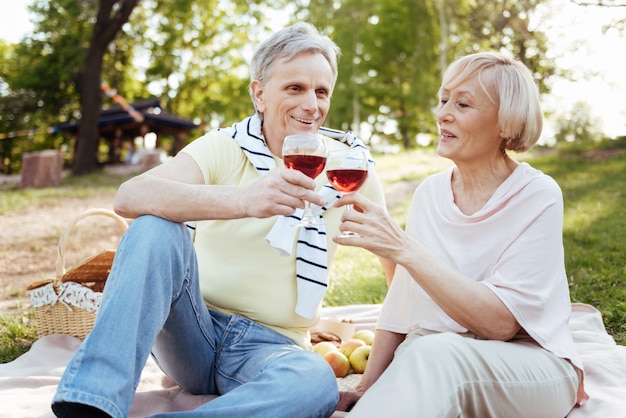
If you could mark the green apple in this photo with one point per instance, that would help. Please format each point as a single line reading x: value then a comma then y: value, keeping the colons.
x: 324, y: 347
x: 348, y: 346
x: 366, y: 335
x: 359, y: 357
x: 339, y: 363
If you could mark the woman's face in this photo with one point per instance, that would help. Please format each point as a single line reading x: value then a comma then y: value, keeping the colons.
x: 468, y: 122
x: 295, y: 98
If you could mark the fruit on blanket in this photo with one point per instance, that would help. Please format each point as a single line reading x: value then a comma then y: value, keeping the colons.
x: 322, y: 348
x: 339, y: 362
x: 366, y: 335
x: 359, y: 357
x: 348, y: 346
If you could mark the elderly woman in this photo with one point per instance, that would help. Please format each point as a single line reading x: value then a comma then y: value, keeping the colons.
x: 475, y: 323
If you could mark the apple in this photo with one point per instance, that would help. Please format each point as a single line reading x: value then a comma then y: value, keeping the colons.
x: 339, y: 362
x: 366, y: 335
x: 349, y: 345
x: 359, y: 357
x: 324, y: 347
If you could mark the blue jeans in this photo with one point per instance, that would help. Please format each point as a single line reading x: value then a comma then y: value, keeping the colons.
x: 152, y: 303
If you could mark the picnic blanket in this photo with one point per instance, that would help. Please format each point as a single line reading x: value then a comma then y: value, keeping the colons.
x: 28, y: 383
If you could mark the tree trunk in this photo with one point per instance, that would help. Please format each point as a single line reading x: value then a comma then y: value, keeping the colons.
x: 108, y: 24
x: 86, y: 159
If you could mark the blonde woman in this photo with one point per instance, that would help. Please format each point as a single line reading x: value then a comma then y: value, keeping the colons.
x: 475, y: 323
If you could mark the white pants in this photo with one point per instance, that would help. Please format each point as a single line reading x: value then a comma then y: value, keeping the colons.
x: 448, y: 375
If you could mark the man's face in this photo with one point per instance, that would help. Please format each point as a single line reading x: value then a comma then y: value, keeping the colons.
x: 295, y: 98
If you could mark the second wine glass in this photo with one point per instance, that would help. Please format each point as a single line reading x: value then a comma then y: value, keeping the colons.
x: 306, y: 152
x: 347, y: 171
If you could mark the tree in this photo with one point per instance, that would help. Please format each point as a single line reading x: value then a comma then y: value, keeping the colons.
x: 395, y: 51
x: 111, y: 16
x: 197, y: 58
x: 192, y: 51
x: 39, y: 76
x: 192, y: 55
x: 501, y: 26
x: 387, y: 72
x: 578, y: 125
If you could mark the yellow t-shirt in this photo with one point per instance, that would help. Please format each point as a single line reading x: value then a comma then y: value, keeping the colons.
x: 239, y: 272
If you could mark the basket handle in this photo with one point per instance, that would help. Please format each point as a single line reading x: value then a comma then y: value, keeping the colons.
x: 60, y: 266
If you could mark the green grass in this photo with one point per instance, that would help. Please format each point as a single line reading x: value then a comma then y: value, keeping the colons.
x: 17, y: 334
x: 594, y: 231
x: 70, y: 187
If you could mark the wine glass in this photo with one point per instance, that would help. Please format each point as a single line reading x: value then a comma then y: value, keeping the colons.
x: 306, y: 152
x: 347, y: 171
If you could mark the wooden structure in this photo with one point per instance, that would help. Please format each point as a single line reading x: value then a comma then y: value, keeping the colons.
x: 117, y: 127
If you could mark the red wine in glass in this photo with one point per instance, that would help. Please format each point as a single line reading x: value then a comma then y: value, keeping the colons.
x: 306, y: 152
x: 311, y: 165
x: 346, y: 171
x: 346, y: 180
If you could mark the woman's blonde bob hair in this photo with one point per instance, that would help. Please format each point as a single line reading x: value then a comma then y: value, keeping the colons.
x: 509, y: 84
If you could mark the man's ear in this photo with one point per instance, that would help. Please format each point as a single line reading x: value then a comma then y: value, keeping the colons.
x: 256, y: 87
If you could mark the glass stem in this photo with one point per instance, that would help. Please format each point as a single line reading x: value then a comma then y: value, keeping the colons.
x: 307, y: 216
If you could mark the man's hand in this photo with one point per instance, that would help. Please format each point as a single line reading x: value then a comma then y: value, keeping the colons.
x: 279, y: 192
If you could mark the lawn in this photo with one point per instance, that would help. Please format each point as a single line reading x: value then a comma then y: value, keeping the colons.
x: 594, y: 229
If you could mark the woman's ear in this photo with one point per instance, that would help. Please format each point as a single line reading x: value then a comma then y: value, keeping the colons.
x: 257, y: 95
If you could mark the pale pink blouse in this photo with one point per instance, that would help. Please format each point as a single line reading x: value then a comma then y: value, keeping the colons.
x: 513, y: 245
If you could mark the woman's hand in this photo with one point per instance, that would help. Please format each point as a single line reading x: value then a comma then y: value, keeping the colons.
x: 378, y: 232
x: 348, y: 399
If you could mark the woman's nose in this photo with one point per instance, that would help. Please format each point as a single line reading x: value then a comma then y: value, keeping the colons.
x: 443, y: 112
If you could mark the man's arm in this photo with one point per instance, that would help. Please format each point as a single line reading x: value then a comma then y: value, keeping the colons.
x: 175, y: 190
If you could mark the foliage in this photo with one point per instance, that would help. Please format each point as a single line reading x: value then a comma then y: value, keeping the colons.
x: 191, y: 52
x: 196, y: 59
x: 501, y: 26
x: 394, y: 53
x: 111, y: 15
x: 388, y: 68
x: 192, y: 55
x: 40, y: 75
x: 578, y: 125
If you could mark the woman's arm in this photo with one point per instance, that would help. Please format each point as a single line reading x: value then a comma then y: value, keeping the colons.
x: 383, y: 348
x: 471, y: 304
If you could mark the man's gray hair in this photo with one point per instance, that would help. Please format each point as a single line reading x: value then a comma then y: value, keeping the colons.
x: 288, y: 43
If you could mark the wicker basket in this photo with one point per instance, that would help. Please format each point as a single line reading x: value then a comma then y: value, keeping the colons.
x: 68, y: 303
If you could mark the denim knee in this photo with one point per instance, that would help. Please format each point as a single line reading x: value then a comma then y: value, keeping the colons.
x: 319, y: 383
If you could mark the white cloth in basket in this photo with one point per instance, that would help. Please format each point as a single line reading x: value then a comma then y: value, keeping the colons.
x: 69, y: 294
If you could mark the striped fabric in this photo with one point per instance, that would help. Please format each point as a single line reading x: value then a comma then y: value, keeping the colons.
x: 311, y: 259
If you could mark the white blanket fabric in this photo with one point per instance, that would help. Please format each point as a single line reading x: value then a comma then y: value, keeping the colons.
x: 28, y: 383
